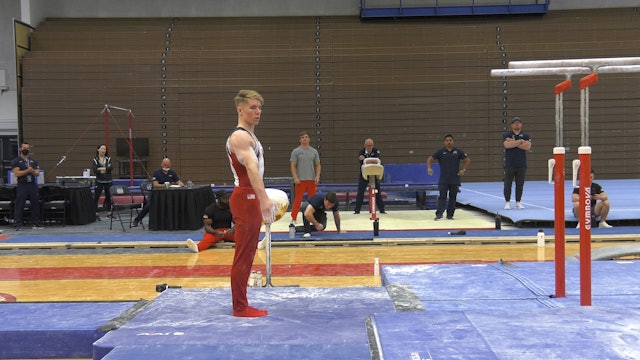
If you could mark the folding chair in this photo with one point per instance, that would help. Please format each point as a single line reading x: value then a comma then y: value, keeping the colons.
x: 7, y: 195
x: 54, y: 204
x: 145, y: 189
x: 123, y: 201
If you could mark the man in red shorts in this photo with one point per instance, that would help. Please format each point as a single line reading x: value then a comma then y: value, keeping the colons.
x: 249, y: 202
x: 218, y: 223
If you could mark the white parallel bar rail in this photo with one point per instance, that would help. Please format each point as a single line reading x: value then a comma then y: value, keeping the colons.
x: 530, y: 64
x: 567, y: 71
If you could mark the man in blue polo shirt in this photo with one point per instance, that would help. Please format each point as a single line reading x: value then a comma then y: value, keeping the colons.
x: 516, y: 144
x: 449, y: 158
x: 159, y: 178
x: 315, y: 216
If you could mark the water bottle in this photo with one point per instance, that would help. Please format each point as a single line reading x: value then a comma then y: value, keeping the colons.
x: 258, y: 280
x: 189, y: 184
x: 292, y: 231
x: 252, y: 279
x: 376, y: 267
x: 540, y: 238
x: 498, y: 222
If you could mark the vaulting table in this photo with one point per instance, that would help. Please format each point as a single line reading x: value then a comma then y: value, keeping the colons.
x: 179, y: 208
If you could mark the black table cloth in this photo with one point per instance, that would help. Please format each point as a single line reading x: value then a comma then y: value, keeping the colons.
x: 179, y: 208
x: 82, y: 206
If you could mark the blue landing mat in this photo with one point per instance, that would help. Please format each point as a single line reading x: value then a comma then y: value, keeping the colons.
x: 238, y: 352
x: 328, y: 323
x: 566, y: 333
x: 54, y: 330
x: 521, y: 285
x: 538, y: 200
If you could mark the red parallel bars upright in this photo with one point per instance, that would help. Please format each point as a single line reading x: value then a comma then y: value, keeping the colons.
x: 584, y: 155
x: 558, y: 183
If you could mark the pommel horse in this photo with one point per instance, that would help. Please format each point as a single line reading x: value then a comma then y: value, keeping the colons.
x: 373, y: 170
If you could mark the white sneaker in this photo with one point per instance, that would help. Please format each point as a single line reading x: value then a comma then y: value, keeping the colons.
x: 507, y: 206
x: 604, y: 225
x: 519, y: 205
x: 192, y: 246
x: 306, y: 235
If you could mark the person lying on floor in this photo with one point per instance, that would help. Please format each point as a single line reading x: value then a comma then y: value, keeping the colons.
x: 218, y: 223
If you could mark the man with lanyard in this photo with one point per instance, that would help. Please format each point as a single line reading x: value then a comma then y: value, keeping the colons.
x: 26, y: 171
x: 159, y: 179
x: 450, y: 171
x: 368, y: 151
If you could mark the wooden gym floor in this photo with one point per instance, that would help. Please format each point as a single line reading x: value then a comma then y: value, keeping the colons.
x: 41, y: 272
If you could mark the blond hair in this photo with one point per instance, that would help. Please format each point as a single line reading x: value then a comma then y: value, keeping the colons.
x: 244, y: 96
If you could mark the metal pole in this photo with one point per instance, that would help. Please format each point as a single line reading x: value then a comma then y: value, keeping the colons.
x: 130, y: 149
x: 559, y: 201
x: 106, y: 125
x: 566, y: 71
x: 584, y: 154
x: 531, y: 64
x: 267, y: 234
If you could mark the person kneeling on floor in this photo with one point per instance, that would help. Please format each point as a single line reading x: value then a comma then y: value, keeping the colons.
x: 218, y: 223
x: 315, y: 216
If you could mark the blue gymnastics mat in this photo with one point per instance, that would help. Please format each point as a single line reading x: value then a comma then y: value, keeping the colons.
x: 54, y: 330
x: 564, y: 333
x: 515, y: 285
x: 538, y: 199
x: 321, y: 322
x: 507, y: 311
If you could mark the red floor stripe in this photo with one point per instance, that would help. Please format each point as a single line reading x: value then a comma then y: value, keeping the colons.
x: 124, y: 272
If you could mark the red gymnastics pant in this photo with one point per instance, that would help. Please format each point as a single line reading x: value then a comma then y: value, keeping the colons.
x: 247, y: 217
x: 308, y: 186
x: 209, y: 239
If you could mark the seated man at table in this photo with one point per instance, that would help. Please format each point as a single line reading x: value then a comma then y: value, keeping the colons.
x: 218, y: 223
x: 159, y: 179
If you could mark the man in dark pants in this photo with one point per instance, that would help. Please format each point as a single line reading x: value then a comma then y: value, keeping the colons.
x: 450, y: 171
x: 26, y: 171
x: 315, y: 216
x: 516, y: 144
x: 159, y: 179
x: 368, y: 152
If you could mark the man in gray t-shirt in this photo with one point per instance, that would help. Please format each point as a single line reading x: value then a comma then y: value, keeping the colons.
x: 305, y: 170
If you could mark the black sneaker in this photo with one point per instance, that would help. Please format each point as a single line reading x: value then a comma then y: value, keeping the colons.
x: 356, y: 212
x: 135, y: 222
x: 449, y: 217
x: 17, y: 228
x: 438, y: 218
